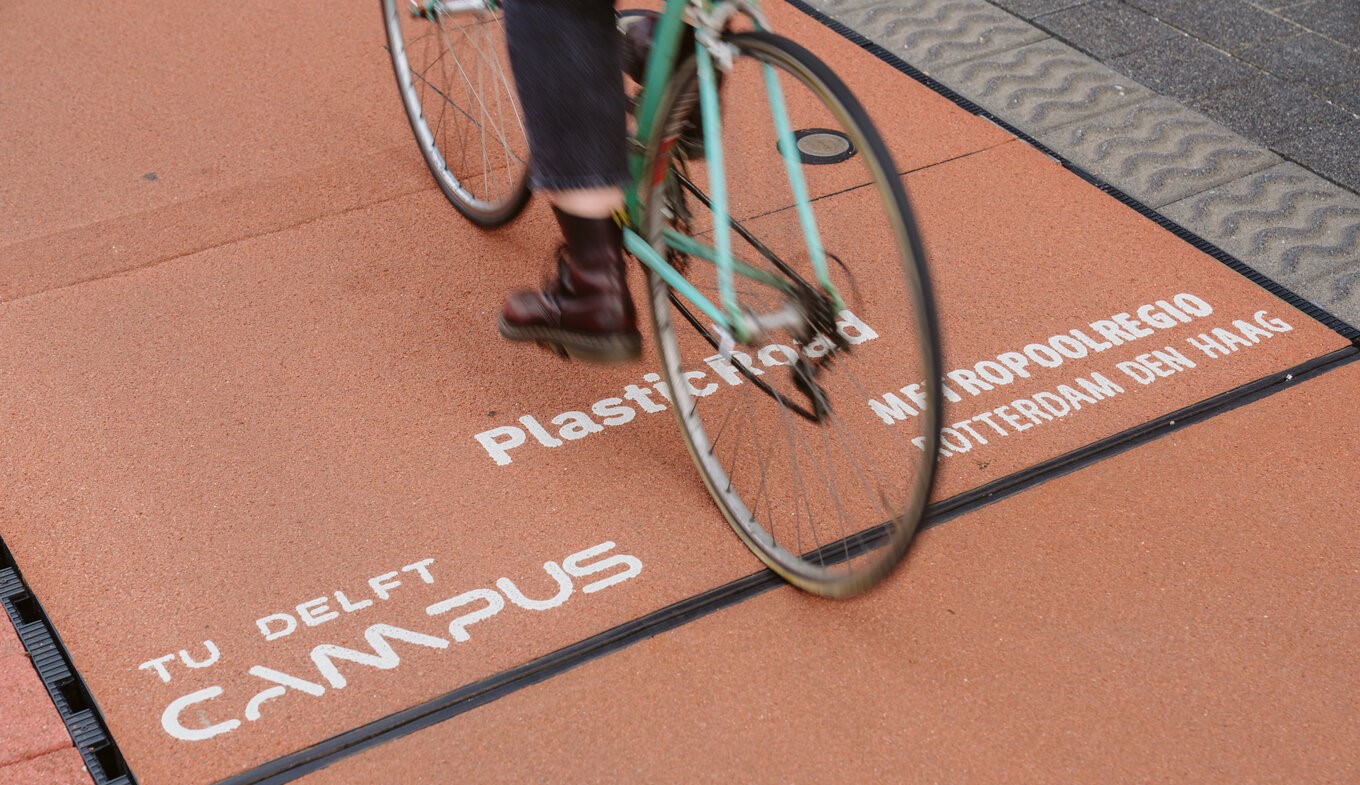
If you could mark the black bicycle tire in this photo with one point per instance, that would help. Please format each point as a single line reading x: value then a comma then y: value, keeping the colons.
x: 890, y: 185
x: 506, y: 210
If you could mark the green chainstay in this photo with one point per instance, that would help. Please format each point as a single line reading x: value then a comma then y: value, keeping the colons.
x: 660, y: 67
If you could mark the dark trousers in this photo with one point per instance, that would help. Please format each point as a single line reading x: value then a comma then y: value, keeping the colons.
x: 568, y: 67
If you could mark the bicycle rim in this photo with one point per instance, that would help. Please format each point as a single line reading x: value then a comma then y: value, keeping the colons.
x: 455, y: 84
x: 825, y: 487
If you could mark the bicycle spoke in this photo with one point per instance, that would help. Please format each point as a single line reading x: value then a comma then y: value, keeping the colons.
x: 831, y: 509
x: 456, y: 61
x: 477, y: 93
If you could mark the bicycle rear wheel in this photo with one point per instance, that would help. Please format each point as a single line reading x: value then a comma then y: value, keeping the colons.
x: 817, y: 438
x: 455, y: 83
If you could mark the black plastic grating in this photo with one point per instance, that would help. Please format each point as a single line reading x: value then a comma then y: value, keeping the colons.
x: 47, y: 657
x: 89, y: 733
x: 10, y: 585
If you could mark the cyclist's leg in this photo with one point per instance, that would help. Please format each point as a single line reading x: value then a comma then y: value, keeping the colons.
x: 568, y: 66
x: 601, y: 202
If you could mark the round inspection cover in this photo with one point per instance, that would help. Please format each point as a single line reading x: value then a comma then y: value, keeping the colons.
x: 823, y: 146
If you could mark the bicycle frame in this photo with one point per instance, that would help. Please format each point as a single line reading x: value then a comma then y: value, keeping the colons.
x: 855, y: 473
x: 709, y: 18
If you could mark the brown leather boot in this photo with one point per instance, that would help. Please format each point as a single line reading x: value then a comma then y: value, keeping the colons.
x: 587, y: 312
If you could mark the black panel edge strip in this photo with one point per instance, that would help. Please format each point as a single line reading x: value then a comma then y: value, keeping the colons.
x: 470, y: 696
x: 71, y: 697
x: 394, y: 726
x: 948, y: 509
x: 1313, y: 311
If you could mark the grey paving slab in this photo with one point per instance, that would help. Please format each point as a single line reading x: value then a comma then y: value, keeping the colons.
x: 1283, y: 220
x: 1106, y: 28
x: 1028, y: 9
x: 1156, y: 7
x: 1043, y: 85
x: 1291, y: 226
x: 1267, y: 110
x: 933, y: 34
x: 1348, y: 98
x: 1332, y: 152
x: 1228, y: 24
x: 1184, y: 68
x: 1307, y: 59
x: 1275, y: 5
x: 1338, y: 20
x: 1158, y: 151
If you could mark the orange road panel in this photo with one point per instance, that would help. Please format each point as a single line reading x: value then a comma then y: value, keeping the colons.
x: 127, y: 242
x: 265, y: 455
x: 63, y: 767
x: 292, y: 482
x: 1066, y: 317
x: 146, y: 132
x: 121, y: 110
x: 1183, y: 611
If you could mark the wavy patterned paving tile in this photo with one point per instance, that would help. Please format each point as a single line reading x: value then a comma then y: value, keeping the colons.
x: 1158, y: 151
x: 1284, y: 221
x: 1043, y: 86
x: 932, y: 34
x: 1290, y: 225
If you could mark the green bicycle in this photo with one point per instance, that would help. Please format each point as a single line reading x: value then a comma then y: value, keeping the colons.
x: 804, y: 370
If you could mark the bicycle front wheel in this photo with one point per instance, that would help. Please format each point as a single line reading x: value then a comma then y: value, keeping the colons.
x: 455, y: 83
x: 817, y: 436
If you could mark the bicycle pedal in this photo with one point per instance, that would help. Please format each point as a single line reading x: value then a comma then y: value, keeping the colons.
x: 805, y: 379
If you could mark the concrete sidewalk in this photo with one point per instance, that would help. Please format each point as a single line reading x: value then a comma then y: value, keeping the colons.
x: 228, y: 357
x: 1235, y: 119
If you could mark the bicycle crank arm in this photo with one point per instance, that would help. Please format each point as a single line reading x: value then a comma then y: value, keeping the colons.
x: 805, y: 379
x: 790, y: 318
